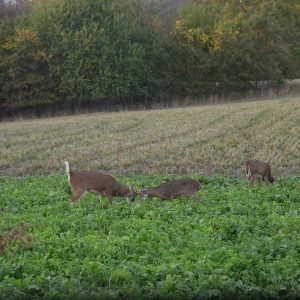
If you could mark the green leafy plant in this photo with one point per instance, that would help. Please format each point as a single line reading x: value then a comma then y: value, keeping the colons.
x: 236, y: 243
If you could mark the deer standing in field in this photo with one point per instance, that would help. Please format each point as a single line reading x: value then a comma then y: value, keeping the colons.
x: 92, y: 181
x: 256, y: 168
x: 173, y: 189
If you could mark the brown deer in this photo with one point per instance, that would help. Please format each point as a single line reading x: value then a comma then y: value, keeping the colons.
x: 256, y: 168
x: 92, y: 181
x: 173, y: 189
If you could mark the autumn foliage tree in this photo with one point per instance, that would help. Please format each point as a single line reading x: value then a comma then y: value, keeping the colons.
x: 244, y: 42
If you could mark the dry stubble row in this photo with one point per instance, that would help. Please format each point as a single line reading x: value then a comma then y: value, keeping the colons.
x: 198, y: 140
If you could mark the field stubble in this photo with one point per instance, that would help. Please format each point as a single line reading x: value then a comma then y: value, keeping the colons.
x: 202, y: 140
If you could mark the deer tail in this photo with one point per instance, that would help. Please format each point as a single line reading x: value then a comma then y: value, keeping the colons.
x: 68, y: 169
x: 248, y: 171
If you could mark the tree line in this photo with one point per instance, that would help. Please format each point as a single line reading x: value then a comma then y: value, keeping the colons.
x: 65, y: 53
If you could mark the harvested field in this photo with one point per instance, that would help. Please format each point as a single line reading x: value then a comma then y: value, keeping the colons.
x: 199, y: 140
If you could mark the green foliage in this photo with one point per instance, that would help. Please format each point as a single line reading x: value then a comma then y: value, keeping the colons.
x: 25, y: 81
x: 296, y: 45
x: 133, y: 50
x: 269, y: 35
x: 98, y: 49
x: 7, y: 28
x: 246, y: 42
x: 235, y: 243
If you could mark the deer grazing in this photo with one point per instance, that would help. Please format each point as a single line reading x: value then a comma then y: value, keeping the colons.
x: 173, y: 189
x: 92, y: 181
x: 256, y: 168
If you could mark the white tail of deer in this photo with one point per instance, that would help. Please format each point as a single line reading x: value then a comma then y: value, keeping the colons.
x: 256, y: 168
x: 173, y: 189
x: 92, y: 181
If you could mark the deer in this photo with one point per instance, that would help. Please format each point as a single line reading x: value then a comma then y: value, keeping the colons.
x: 256, y: 168
x: 173, y: 189
x: 93, y: 181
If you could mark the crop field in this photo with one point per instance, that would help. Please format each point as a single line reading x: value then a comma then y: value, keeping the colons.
x: 237, y: 243
x: 202, y: 140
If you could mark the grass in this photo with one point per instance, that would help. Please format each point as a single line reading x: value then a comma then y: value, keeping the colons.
x: 200, y: 140
x: 235, y: 244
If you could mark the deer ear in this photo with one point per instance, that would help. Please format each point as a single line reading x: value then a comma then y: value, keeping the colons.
x: 144, y: 192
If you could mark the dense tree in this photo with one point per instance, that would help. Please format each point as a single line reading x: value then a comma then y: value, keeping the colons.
x: 268, y: 37
x: 65, y: 51
x: 10, y: 12
x: 296, y: 45
x: 98, y: 50
x: 6, y: 29
x: 160, y: 13
x: 25, y: 81
x: 14, y: 8
x: 244, y: 41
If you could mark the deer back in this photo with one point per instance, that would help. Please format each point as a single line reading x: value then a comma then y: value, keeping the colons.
x: 175, y: 188
x: 92, y: 180
x: 258, y: 167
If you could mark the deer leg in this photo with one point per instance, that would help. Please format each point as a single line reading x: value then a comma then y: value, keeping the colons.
x: 249, y: 177
x: 250, y: 180
x: 76, y: 196
x: 266, y: 179
x: 253, y: 179
x: 110, y: 198
x: 196, y: 197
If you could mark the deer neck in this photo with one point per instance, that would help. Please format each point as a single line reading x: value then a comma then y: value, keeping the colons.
x: 154, y: 193
x: 121, y: 190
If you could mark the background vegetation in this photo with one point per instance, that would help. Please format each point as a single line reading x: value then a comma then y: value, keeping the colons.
x: 65, y: 54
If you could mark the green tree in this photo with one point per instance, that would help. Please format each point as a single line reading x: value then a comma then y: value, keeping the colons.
x: 98, y: 49
x: 243, y: 42
x: 7, y: 28
x: 25, y: 81
x: 194, y: 32
x: 268, y: 36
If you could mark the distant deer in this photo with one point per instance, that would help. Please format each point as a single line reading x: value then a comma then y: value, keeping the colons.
x: 92, y: 181
x: 173, y: 189
x: 256, y: 168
